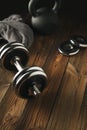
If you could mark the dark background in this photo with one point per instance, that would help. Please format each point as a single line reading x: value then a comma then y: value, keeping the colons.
x: 73, y: 8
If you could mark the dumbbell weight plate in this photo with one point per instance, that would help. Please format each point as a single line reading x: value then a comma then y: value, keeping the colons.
x: 24, y: 81
x: 27, y: 69
x: 8, y: 52
x: 40, y: 78
x: 20, y: 89
x: 8, y: 57
x: 66, y: 48
x: 78, y: 40
x: 22, y: 74
x: 9, y: 45
x: 34, y: 68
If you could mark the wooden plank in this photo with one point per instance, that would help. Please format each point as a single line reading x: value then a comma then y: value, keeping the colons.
x: 5, y: 79
x: 82, y: 121
x: 68, y: 104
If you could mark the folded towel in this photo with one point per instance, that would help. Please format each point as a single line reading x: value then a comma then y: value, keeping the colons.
x: 14, y: 29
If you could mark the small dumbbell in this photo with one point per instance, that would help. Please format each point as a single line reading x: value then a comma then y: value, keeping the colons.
x: 73, y: 45
x: 28, y: 81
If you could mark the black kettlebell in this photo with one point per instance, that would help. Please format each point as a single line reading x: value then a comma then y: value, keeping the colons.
x: 44, y: 19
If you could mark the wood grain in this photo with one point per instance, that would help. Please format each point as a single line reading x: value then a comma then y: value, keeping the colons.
x: 63, y: 104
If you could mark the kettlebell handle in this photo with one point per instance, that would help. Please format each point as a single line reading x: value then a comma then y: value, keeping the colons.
x: 32, y: 6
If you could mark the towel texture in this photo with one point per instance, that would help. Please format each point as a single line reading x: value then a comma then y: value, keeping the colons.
x: 14, y: 29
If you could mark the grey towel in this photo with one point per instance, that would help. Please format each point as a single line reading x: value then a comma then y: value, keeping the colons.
x: 14, y: 29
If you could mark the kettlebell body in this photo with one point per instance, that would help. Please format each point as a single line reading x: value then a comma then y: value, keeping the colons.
x: 44, y: 20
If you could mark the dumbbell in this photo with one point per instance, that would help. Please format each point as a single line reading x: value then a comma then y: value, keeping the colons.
x: 73, y: 45
x: 28, y: 81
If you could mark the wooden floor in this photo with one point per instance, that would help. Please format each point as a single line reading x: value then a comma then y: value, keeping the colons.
x: 63, y: 104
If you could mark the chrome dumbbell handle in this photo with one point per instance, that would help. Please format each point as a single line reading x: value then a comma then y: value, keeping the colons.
x: 17, y: 63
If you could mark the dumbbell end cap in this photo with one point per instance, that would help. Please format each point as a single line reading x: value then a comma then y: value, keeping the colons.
x: 36, y: 90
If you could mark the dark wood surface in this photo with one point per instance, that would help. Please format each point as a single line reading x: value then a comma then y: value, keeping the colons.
x: 63, y: 104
